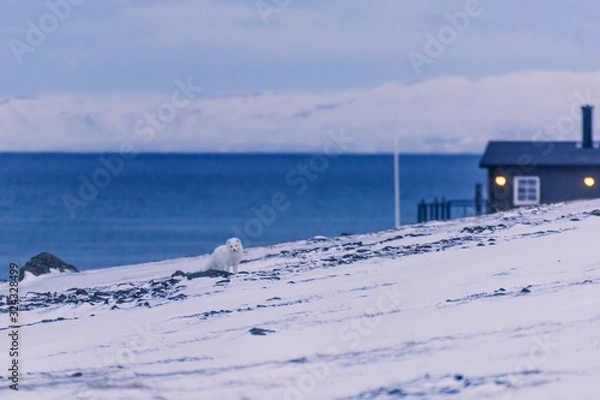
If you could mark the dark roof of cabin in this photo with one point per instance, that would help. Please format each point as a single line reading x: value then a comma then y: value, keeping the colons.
x: 539, y: 153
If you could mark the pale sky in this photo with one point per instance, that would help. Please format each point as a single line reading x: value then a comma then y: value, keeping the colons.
x: 280, y: 75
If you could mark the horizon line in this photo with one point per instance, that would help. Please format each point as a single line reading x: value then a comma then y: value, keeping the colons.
x: 233, y: 153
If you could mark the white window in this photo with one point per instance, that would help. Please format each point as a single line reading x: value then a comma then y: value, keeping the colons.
x: 526, y: 190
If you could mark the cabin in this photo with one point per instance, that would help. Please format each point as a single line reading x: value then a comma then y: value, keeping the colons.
x: 541, y: 172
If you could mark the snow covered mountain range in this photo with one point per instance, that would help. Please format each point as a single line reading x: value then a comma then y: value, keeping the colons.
x: 503, y: 306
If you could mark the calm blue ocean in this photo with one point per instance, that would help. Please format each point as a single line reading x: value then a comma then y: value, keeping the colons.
x: 95, y: 213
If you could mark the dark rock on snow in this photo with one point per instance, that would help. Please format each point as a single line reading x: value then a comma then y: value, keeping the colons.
x: 78, y: 292
x: 44, y: 263
x: 260, y: 331
x: 178, y: 273
x: 211, y: 273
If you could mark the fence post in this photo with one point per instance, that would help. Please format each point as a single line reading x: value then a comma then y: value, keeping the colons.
x: 478, y: 198
x: 443, y: 209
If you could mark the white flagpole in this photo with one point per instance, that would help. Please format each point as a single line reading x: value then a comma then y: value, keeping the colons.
x: 396, y: 183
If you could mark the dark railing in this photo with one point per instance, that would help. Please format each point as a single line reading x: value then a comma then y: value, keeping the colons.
x: 443, y: 210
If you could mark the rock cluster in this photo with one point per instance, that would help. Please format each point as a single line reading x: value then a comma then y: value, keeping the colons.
x: 44, y: 263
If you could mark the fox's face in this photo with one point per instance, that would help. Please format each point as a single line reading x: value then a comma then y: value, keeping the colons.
x: 234, y: 244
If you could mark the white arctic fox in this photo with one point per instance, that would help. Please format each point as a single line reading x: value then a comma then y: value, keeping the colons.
x: 226, y: 256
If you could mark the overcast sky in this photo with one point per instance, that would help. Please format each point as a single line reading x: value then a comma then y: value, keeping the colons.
x: 281, y: 75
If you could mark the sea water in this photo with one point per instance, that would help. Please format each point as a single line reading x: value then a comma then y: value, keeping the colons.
x: 95, y: 211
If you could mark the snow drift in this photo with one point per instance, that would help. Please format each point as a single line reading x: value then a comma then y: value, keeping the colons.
x: 502, y: 306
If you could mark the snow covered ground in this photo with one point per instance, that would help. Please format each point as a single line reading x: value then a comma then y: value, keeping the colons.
x: 505, y: 306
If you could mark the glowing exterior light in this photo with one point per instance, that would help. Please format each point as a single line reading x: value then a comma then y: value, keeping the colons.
x: 500, y: 181
x: 589, y: 181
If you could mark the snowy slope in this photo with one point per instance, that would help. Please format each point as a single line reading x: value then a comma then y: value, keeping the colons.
x: 505, y: 306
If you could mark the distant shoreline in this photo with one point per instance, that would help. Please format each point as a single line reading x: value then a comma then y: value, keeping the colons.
x: 270, y: 153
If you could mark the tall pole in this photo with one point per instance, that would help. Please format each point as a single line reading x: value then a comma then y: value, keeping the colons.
x: 396, y: 183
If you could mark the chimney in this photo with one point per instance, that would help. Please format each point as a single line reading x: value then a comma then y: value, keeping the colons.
x: 587, y: 126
